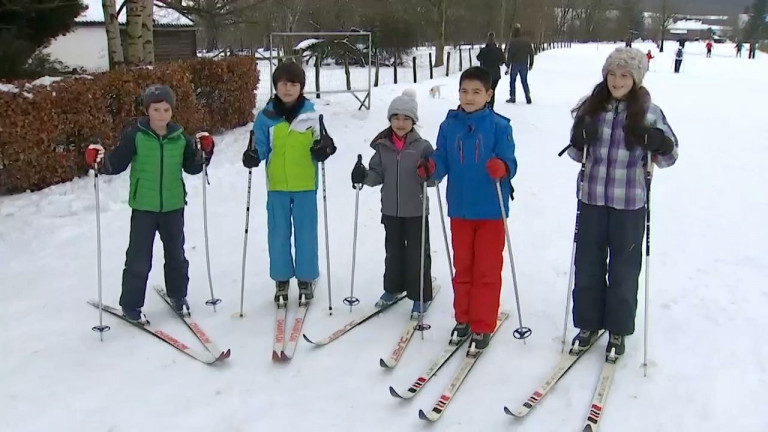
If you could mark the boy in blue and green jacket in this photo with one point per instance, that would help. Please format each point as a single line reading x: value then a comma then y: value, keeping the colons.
x: 287, y: 137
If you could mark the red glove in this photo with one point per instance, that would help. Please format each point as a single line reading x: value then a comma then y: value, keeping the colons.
x: 94, y: 154
x: 497, y: 169
x: 206, y: 141
x: 425, y: 168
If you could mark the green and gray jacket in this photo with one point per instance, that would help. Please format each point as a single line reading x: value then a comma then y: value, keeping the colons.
x: 156, y: 165
x: 402, y: 188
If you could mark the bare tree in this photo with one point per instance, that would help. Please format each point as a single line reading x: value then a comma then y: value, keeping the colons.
x: 147, y: 30
x: 135, y: 16
x: 439, y: 9
x: 663, y: 19
x: 114, y: 44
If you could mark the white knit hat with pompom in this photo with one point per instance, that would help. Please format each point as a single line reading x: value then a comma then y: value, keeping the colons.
x: 406, y: 105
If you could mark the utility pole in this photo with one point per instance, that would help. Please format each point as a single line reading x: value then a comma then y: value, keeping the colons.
x: 503, y: 13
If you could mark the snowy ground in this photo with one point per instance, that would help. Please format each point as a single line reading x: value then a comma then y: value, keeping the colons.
x: 708, y: 292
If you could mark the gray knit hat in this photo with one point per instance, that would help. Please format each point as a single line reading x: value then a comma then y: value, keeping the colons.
x: 631, y: 59
x: 158, y: 93
x: 405, y: 104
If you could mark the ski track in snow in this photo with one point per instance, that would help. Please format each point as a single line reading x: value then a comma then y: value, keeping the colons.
x: 708, y: 293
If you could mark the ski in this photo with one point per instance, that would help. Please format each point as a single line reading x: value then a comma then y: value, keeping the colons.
x: 206, y: 358
x: 564, y: 365
x: 293, y: 338
x: 466, y: 366
x: 279, y: 339
x: 354, y: 323
x: 421, y: 381
x: 405, y: 338
x: 196, y: 329
x: 600, y: 396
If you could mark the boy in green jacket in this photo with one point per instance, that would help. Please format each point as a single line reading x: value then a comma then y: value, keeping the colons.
x: 157, y: 151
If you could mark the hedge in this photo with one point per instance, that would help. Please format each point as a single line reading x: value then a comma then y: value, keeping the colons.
x: 44, y: 130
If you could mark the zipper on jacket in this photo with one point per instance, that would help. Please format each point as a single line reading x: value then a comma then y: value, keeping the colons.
x: 162, y: 163
x: 397, y: 185
x: 461, y: 151
x: 477, y: 151
x: 608, y: 155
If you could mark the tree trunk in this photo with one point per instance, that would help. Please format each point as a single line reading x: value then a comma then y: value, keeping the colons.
x: 147, y: 30
x: 134, y: 12
x: 114, y: 46
x: 440, y: 48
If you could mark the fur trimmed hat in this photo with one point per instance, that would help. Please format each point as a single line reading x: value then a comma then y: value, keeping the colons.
x: 158, y: 93
x: 631, y: 59
x: 406, y: 105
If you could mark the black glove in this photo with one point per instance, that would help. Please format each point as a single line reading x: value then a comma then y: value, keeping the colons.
x: 584, y: 133
x: 323, y: 147
x: 250, y: 155
x: 358, y: 172
x: 655, y: 141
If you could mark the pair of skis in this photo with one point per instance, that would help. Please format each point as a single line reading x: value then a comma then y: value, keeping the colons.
x: 213, y: 354
x: 280, y: 350
x: 599, y: 397
x: 450, y: 391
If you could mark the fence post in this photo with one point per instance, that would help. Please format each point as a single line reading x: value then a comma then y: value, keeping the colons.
x: 461, y: 60
x: 376, y: 78
x: 395, y: 65
x: 470, y: 56
x: 431, y: 71
x: 346, y: 73
x: 318, y: 62
x: 414, y: 69
x: 448, y: 64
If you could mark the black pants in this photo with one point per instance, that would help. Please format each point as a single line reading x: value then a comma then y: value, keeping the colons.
x: 138, y: 257
x: 494, y: 83
x: 402, y: 265
x: 678, y: 63
x: 609, y: 242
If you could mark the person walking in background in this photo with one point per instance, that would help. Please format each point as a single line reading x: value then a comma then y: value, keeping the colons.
x: 678, y: 59
x: 519, y: 61
x: 709, y: 49
x: 491, y: 57
x: 739, y: 48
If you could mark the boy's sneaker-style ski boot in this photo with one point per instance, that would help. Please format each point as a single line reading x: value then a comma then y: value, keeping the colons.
x: 419, y: 307
x: 135, y: 316
x: 615, y: 347
x: 583, y: 340
x: 386, y: 299
x: 478, y: 343
x: 281, y: 291
x: 460, y: 332
x: 179, y: 305
x: 307, y: 290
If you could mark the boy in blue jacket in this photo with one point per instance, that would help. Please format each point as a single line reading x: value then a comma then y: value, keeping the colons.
x: 475, y: 150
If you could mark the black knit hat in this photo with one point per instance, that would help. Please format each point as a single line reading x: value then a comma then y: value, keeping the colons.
x: 158, y: 93
x: 290, y: 72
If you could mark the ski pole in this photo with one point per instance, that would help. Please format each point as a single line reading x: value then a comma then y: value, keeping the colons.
x: 421, y: 326
x: 91, y: 155
x: 445, y: 233
x: 352, y: 300
x: 648, y: 177
x: 327, y: 245
x: 521, y: 332
x: 245, y: 236
x: 213, y: 301
x: 572, y: 268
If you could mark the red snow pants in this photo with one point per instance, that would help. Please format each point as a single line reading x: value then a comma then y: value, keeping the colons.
x: 478, y: 257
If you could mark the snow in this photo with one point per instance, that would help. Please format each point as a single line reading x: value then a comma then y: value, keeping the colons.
x: 9, y: 88
x: 45, y: 81
x: 305, y: 44
x: 708, y: 293
x: 95, y: 13
x: 684, y: 25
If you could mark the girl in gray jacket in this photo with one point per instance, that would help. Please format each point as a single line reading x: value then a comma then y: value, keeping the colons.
x: 399, y: 148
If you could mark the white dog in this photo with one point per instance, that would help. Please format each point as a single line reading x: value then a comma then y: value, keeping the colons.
x: 434, y: 92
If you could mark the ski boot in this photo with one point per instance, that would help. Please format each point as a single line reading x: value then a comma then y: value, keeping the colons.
x: 583, y: 340
x: 615, y: 348
x: 135, y: 316
x: 459, y: 333
x: 478, y: 343
x: 419, y: 307
x: 386, y: 299
x: 306, y: 290
x: 281, y: 292
x: 179, y: 305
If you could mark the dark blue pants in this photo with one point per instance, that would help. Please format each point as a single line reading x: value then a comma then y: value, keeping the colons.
x: 138, y: 257
x: 609, y: 243
x: 522, y: 70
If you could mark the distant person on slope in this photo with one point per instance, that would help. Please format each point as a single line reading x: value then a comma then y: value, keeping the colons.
x: 618, y: 126
x: 157, y: 151
x: 679, y: 59
x: 287, y: 137
x: 476, y: 151
x: 709, y: 48
x: 398, y: 150
x: 519, y: 61
x: 491, y: 57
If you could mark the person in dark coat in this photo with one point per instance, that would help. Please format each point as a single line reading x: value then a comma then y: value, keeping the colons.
x: 519, y: 62
x: 491, y: 57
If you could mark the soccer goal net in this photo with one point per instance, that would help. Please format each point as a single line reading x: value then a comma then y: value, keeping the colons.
x: 335, y: 63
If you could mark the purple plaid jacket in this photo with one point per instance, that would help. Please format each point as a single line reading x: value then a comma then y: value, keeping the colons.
x: 615, y: 176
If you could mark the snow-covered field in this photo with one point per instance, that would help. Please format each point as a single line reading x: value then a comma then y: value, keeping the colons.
x: 708, y: 291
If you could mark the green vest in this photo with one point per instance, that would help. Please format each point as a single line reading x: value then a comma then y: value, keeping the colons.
x: 156, y: 171
x: 291, y: 167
